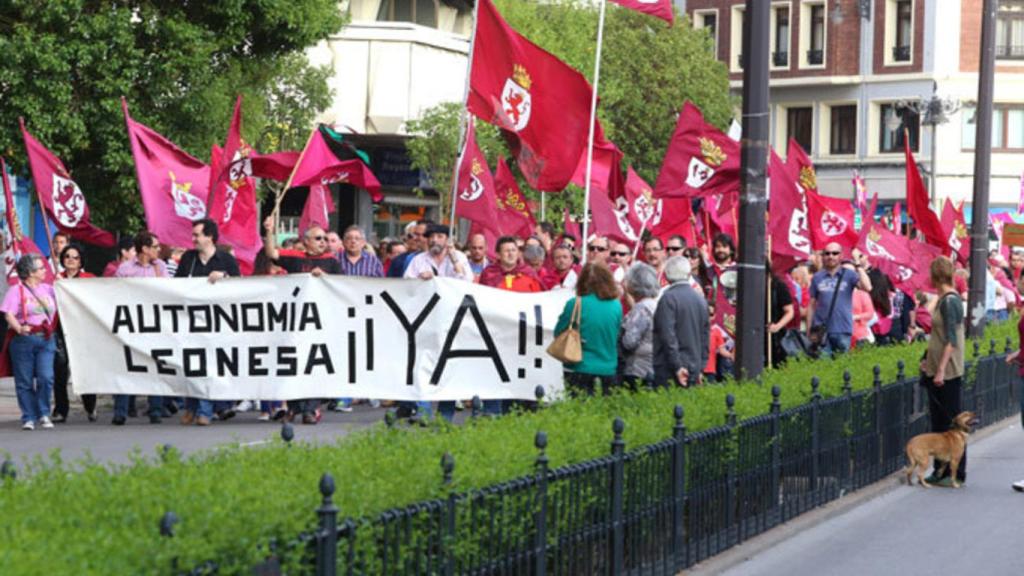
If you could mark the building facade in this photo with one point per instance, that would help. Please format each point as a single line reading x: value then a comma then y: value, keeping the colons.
x: 395, y: 59
x: 850, y: 79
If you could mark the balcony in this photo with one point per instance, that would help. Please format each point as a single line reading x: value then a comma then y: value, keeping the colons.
x: 901, y: 53
x: 780, y: 59
x: 815, y: 57
x: 1010, y: 51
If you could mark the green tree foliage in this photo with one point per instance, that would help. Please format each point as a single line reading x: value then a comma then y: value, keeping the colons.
x: 648, y: 69
x: 67, y: 63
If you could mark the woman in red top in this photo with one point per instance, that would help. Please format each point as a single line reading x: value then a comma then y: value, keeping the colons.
x: 73, y: 261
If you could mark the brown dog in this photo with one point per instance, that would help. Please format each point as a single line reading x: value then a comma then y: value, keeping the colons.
x: 946, y: 446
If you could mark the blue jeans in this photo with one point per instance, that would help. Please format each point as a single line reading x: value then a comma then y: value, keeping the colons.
x: 836, y: 343
x: 32, y: 364
x: 491, y: 408
x: 199, y: 407
x: 156, y: 405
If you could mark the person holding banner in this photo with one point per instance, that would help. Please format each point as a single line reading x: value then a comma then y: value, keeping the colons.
x: 73, y: 263
x: 440, y: 259
x: 30, y: 308
x: 205, y: 260
x: 146, y: 264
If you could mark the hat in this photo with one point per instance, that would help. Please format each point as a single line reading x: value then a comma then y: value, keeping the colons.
x: 437, y: 229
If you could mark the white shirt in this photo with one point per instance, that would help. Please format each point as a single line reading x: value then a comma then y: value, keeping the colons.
x: 424, y: 262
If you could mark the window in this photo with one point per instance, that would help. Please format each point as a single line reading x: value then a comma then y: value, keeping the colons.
x: 799, y: 126
x: 904, y: 31
x: 422, y: 12
x: 1007, y: 128
x: 780, y: 55
x: 736, y: 39
x: 816, y: 51
x: 1010, y: 30
x: 843, y: 130
x: 894, y: 123
x: 708, y: 21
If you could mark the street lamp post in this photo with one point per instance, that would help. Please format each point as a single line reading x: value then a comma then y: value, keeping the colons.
x: 933, y: 112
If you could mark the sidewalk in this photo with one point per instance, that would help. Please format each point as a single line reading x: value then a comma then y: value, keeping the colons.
x: 905, y: 530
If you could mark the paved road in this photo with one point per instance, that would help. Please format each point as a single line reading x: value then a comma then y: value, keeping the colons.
x: 109, y: 443
x: 910, y: 530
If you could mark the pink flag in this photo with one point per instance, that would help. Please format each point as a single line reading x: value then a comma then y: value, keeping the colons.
x: 320, y: 165
x: 514, y: 217
x: 232, y: 202
x: 15, y: 243
x: 1020, y: 202
x: 60, y: 196
x: 318, y: 208
x: 700, y: 161
x: 657, y: 8
x: 174, y: 185
x: 897, y: 219
x: 860, y: 193
x: 787, y: 217
x: 477, y: 200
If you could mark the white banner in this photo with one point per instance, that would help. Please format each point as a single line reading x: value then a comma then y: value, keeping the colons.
x: 288, y: 337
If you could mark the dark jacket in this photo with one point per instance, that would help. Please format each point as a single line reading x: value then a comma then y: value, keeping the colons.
x: 681, y: 334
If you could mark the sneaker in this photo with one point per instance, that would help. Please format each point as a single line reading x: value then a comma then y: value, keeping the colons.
x: 30, y: 425
x: 459, y: 406
x: 279, y: 414
x: 118, y: 421
x: 342, y: 408
x: 133, y: 413
x: 374, y: 403
x: 155, y: 419
x: 45, y: 422
x: 264, y: 417
x: 202, y: 421
x: 92, y: 416
x: 947, y: 482
x: 171, y: 409
x: 1018, y: 485
x: 309, y: 418
x: 932, y: 478
x: 187, y: 418
x: 59, y: 419
x: 224, y: 415
x: 244, y: 406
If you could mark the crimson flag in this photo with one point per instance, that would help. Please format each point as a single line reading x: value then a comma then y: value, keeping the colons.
x: 897, y: 218
x: 514, y: 217
x: 955, y: 227
x: 879, y: 243
x: 276, y: 166
x: 800, y: 167
x: 318, y: 208
x: 700, y: 160
x: 60, y: 196
x: 174, y: 185
x: 541, y: 103
x: 606, y: 167
x: 232, y: 202
x: 569, y: 226
x: 477, y: 200
x: 911, y: 278
x: 918, y: 206
x: 657, y: 8
x: 830, y: 220
x: 607, y: 221
x: 16, y: 244
x: 787, y: 217
x: 320, y: 164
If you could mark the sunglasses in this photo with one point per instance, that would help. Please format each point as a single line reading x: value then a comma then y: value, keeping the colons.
x: 674, y: 248
x: 619, y: 254
x: 831, y: 253
x: 597, y: 248
x: 319, y: 238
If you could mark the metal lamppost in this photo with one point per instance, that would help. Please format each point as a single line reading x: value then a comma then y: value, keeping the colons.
x: 933, y: 112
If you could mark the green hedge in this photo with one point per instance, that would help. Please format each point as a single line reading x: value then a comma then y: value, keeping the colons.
x: 87, y: 517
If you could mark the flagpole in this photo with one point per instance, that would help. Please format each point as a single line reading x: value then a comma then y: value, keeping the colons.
x: 463, y: 120
x: 593, y: 121
x: 640, y: 235
x: 288, y: 183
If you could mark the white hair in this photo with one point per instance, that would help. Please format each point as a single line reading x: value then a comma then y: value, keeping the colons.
x: 677, y: 269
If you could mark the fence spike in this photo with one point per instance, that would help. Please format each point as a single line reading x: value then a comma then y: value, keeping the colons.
x: 977, y: 348
x: 390, y: 417
x: 540, y: 442
x: 776, y: 394
x: 678, y: 413
x: 287, y: 433
x: 877, y: 370
x: 167, y: 522
x: 447, y: 467
x: 327, y: 537
x: 327, y: 486
x: 478, y: 406
x: 165, y: 452
x: 991, y: 346
x: 847, y: 386
x: 618, y: 427
x: 8, y: 470
x: 900, y: 370
x: 730, y: 412
x: 815, y: 385
x: 538, y: 393
x: 1009, y: 345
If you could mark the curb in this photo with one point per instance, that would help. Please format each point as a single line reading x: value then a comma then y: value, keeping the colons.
x: 744, y: 551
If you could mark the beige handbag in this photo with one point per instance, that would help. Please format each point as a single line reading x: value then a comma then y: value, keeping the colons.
x: 568, y: 346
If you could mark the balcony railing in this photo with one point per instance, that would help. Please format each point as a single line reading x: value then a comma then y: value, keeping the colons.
x: 1010, y: 51
x: 780, y: 58
x: 815, y: 57
x: 901, y: 53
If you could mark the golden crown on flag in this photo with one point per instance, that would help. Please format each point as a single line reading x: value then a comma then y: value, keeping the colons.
x: 961, y: 230
x: 808, y: 179
x: 874, y: 235
x: 712, y: 152
x: 521, y: 77
x: 476, y: 168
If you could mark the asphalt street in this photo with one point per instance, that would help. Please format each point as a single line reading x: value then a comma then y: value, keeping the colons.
x: 910, y: 530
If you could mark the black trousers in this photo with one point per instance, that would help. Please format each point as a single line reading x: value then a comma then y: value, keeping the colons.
x: 61, y: 375
x: 943, y: 406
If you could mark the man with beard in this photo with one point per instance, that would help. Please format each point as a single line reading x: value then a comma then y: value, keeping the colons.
x: 723, y: 253
x: 440, y: 259
x: 654, y: 254
x: 415, y: 243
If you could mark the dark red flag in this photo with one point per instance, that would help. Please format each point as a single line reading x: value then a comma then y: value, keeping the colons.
x: 232, y: 202
x: 542, y: 103
x: 571, y: 227
x: 60, y: 196
x: 514, y: 215
x: 787, y: 222
x: 918, y: 206
x: 16, y: 244
x: 800, y: 167
x: 700, y: 160
x: 317, y: 209
x: 657, y: 8
x: 830, y: 220
x: 476, y: 200
x: 955, y: 227
x: 321, y: 165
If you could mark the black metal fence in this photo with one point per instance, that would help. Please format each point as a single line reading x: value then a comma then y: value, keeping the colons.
x: 656, y: 509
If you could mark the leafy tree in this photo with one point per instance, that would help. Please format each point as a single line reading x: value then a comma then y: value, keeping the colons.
x: 180, y: 65
x: 648, y: 70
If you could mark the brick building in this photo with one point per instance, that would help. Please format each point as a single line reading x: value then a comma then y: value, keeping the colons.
x: 849, y: 76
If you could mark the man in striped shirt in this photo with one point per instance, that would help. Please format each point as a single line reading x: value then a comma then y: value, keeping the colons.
x: 355, y: 260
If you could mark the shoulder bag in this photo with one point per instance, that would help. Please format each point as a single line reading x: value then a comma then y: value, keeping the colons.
x: 568, y: 346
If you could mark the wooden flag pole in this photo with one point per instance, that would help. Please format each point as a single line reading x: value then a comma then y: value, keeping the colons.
x: 593, y: 121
